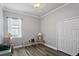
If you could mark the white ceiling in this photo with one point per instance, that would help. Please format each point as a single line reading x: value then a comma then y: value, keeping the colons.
x: 28, y: 7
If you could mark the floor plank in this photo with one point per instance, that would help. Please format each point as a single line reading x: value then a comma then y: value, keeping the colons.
x: 37, y: 50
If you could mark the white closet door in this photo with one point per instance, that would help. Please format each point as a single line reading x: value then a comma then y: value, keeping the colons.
x: 1, y: 25
x: 69, y: 38
x: 68, y: 32
x: 60, y: 35
x: 1, y: 32
x: 75, y: 24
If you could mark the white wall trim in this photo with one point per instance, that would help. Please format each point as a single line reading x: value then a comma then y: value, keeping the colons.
x: 71, y: 18
x: 19, y: 46
x: 50, y: 12
x: 21, y: 12
x: 50, y: 46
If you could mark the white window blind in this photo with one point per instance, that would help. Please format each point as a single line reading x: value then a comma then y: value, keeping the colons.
x: 14, y: 27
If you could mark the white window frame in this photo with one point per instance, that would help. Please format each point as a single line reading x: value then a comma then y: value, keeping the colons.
x: 16, y: 24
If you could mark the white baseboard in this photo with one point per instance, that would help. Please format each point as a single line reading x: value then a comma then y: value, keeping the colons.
x: 50, y: 46
x: 19, y: 46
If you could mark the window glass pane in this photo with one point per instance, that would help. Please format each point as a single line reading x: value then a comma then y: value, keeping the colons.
x: 14, y: 27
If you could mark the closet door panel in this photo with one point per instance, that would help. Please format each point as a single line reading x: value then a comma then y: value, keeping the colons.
x: 60, y: 35
x: 75, y: 26
x: 1, y: 32
x: 1, y: 24
x: 68, y: 36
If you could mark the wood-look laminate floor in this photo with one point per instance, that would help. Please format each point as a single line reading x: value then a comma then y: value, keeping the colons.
x: 37, y: 50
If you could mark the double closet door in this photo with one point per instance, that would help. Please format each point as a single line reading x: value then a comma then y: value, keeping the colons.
x: 68, y: 36
x: 1, y: 25
x: 1, y: 31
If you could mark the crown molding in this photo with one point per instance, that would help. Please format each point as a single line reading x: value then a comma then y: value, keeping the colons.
x: 32, y: 15
x: 50, y: 12
x: 21, y: 12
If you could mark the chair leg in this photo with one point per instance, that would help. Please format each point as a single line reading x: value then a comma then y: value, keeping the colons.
x: 12, y: 49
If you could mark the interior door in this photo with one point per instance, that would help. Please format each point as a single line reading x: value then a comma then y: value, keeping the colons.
x: 1, y: 31
x: 68, y: 32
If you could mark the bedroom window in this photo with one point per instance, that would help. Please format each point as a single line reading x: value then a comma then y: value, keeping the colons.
x: 14, y: 27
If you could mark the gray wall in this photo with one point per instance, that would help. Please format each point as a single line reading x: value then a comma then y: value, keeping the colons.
x: 49, y: 22
x: 30, y: 26
x: 48, y: 28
